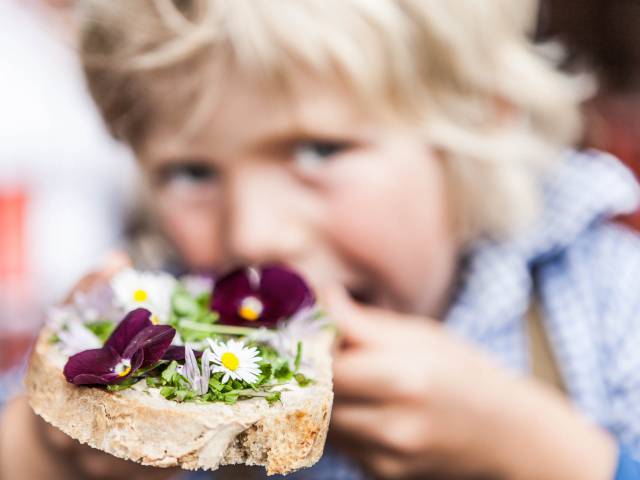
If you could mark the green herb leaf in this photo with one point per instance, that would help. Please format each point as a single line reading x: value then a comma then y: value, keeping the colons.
x: 155, y: 381
x: 302, y: 380
x: 167, y: 392
x: 204, y: 300
x: 296, y: 362
x: 273, y: 397
x: 282, y: 372
x: 184, y: 304
x: 169, y: 372
x: 230, y: 398
x: 101, y: 329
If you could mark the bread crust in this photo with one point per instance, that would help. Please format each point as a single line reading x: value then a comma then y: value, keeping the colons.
x: 141, y: 426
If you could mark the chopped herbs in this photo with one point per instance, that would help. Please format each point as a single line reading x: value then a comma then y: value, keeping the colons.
x: 302, y: 380
x: 174, y: 386
x: 176, y: 382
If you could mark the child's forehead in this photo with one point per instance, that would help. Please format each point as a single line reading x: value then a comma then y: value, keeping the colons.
x: 240, y: 112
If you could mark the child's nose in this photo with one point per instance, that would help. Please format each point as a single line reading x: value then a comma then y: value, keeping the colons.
x: 262, y: 222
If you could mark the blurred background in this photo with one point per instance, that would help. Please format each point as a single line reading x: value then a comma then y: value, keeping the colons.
x: 69, y: 193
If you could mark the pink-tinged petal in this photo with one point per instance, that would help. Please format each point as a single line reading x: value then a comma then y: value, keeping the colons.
x: 135, y: 321
x: 153, y: 341
x: 96, y: 362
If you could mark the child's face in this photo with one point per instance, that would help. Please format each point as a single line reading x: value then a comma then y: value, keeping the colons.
x: 315, y: 184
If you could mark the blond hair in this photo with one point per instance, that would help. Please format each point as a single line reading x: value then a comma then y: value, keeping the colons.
x: 462, y: 71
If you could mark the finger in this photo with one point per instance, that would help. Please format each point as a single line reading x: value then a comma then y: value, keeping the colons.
x: 358, y: 375
x: 371, y: 327
x: 114, y: 262
x: 98, y: 465
x: 375, y: 460
x: 386, y: 429
x: 101, y: 466
x: 55, y: 438
x: 357, y: 325
x: 367, y: 426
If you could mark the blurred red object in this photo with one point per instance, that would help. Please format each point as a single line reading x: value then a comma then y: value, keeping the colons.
x: 13, y: 242
x: 15, y: 336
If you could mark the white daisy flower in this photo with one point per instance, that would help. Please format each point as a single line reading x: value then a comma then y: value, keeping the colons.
x: 198, y: 378
x: 235, y: 360
x: 153, y: 291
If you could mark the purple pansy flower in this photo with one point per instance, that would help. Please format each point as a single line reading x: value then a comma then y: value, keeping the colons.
x: 260, y: 297
x: 135, y: 343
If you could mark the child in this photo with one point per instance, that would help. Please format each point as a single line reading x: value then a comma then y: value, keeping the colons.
x: 415, y: 154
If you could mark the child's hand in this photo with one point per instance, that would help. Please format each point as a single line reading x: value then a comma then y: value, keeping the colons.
x: 411, y: 401
x: 34, y: 450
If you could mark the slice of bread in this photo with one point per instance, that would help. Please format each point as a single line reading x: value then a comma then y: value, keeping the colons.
x: 138, y: 424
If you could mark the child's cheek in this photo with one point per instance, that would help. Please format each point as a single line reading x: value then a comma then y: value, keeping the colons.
x: 393, y: 221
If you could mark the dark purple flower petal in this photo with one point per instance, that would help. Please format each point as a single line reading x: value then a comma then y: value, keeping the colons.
x: 176, y: 352
x: 137, y: 360
x: 135, y: 321
x: 279, y: 291
x: 135, y: 343
x: 153, y: 341
x: 283, y: 292
x: 229, y: 292
x: 94, y: 366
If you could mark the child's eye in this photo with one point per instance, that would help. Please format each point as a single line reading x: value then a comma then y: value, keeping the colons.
x: 194, y: 173
x: 310, y: 154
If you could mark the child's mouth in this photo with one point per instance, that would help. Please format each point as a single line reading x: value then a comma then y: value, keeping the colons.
x: 362, y: 295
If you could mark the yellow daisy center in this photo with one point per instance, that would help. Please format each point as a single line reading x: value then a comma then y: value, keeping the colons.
x: 230, y: 361
x: 250, y: 309
x: 140, y: 296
